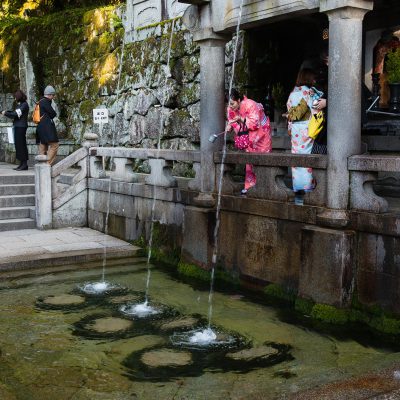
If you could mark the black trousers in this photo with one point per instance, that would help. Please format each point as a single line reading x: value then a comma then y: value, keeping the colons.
x: 20, y: 144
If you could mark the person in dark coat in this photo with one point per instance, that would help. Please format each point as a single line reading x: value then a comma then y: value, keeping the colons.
x: 20, y: 125
x: 46, y: 133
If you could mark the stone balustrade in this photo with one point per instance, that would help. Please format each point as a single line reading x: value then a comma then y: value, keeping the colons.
x: 271, y: 169
x: 160, y: 162
x: 364, y: 171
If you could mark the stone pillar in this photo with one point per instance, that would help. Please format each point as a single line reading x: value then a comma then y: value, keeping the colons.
x: 212, y: 92
x: 344, y: 97
x: 212, y: 113
x: 43, y: 198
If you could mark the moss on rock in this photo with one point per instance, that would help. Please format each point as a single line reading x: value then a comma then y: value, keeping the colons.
x: 278, y: 292
x: 330, y: 314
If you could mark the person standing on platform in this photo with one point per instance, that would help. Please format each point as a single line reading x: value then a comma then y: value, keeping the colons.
x: 20, y: 126
x: 248, y: 115
x: 46, y: 133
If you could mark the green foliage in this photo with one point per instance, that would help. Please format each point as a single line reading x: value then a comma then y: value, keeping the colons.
x: 330, y: 314
x: 276, y: 291
x: 393, y: 66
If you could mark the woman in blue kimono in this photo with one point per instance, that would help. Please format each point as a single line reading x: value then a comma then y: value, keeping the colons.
x: 300, y: 109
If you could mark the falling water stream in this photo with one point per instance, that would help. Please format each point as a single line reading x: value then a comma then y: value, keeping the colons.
x: 205, y: 337
x: 144, y: 309
x: 103, y: 286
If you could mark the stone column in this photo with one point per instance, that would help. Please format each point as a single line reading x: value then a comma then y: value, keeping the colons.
x: 212, y: 92
x: 344, y: 99
x: 212, y: 113
x: 43, y: 198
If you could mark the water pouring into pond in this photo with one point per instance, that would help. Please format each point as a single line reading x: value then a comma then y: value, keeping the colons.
x: 207, y: 336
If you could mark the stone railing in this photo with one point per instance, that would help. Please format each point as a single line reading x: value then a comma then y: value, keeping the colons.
x: 55, y: 207
x: 364, y: 171
x: 160, y: 162
x: 271, y: 169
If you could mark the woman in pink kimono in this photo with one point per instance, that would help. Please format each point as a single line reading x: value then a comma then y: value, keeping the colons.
x: 246, y: 114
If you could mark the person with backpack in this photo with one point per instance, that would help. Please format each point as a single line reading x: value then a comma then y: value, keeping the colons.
x: 20, y: 126
x: 46, y: 133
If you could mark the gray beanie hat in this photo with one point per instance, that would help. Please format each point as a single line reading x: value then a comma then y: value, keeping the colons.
x: 49, y: 90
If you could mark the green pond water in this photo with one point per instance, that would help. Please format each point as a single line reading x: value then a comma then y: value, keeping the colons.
x: 92, y: 351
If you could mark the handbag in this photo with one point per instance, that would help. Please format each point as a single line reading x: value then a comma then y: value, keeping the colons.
x: 316, y: 124
x: 242, y: 139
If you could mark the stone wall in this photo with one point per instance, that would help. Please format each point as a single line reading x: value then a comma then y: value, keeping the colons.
x: 93, y: 62
x: 263, y: 242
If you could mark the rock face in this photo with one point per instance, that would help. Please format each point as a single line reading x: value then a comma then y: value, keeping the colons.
x: 91, y: 66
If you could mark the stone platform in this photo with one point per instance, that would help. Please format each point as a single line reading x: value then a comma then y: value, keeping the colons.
x: 31, y: 248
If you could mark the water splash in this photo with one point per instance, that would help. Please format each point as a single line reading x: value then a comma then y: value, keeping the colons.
x: 98, y: 287
x: 204, y: 338
x: 141, y: 310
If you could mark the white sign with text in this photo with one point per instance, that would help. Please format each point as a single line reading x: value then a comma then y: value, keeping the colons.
x: 100, y: 115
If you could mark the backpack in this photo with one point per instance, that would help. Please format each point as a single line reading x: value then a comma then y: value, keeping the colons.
x: 36, y: 113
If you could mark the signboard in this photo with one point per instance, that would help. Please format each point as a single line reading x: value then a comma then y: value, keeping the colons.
x: 100, y: 115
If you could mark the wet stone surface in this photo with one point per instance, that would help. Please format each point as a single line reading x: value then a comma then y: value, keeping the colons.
x: 64, y: 300
x: 253, y: 353
x: 109, y: 324
x: 181, y: 323
x: 166, y: 357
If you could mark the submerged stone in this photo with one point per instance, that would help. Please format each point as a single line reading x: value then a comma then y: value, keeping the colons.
x: 253, y: 353
x: 109, y: 324
x: 125, y: 299
x: 186, y: 322
x: 64, y: 300
x: 166, y: 358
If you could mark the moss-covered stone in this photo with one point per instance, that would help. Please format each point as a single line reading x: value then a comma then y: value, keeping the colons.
x: 330, y: 314
x: 303, y: 306
x: 275, y: 291
x: 194, y: 272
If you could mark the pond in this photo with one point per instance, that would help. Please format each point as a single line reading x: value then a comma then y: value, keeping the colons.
x: 58, y: 343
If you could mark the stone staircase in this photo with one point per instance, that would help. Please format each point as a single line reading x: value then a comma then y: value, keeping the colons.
x: 17, y: 198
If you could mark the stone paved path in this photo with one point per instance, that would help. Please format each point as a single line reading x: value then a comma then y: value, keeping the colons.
x: 29, y: 248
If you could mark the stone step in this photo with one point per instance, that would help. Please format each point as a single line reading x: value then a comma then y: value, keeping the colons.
x: 14, y: 179
x: 23, y: 188
x: 17, y: 200
x: 16, y: 224
x: 16, y: 212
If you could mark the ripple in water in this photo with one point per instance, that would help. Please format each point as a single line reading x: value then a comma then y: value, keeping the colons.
x: 203, y: 338
x: 98, y: 287
x: 141, y: 310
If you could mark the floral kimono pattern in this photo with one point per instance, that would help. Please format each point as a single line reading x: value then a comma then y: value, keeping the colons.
x: 259, y: 128
x: 299, y: 107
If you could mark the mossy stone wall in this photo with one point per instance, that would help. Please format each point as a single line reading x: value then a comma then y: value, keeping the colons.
x: 81, y: 52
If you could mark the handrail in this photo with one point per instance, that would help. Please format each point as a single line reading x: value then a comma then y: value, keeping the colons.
x: 374, y: 163
x: 144, y: 154
x: 69, y: 161
x: 317, y: 161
